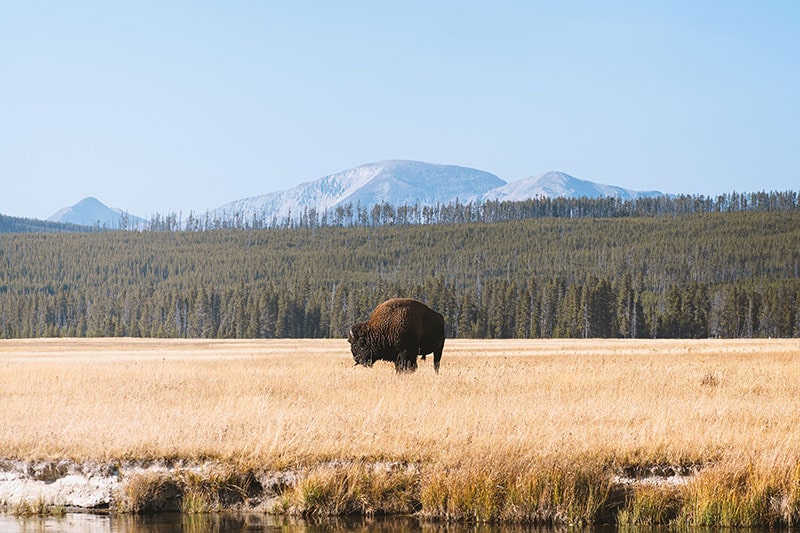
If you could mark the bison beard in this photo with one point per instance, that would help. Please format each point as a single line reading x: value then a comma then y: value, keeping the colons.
x: 398, y: 330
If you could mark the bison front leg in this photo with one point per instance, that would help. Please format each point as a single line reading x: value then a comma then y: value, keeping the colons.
x: 406, y: 362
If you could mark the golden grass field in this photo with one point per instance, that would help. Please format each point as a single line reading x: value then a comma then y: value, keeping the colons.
x: 497, y: 409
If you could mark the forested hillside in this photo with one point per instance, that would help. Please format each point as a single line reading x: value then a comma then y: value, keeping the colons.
x: 728, y: 274
x: 31, y: 225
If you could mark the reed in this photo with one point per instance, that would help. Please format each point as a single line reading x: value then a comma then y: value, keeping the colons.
x: 515, y: 431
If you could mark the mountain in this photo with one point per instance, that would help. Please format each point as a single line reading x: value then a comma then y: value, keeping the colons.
x: 410, y: 182
x: 92, y: 212
x: 396, y: 182
x: 557, y: 184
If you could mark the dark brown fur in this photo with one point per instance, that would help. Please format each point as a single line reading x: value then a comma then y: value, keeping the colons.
x: 398, y: 330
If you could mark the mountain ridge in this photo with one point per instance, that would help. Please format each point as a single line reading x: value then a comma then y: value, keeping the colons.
x: 394, y: 181
x: 400, y: 182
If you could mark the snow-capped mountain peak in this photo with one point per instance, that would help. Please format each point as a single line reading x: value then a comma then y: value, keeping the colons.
x: 396, y: 182
x: 558, y: 184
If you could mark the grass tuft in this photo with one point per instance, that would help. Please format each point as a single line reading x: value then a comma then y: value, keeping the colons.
x: 358, y: 488
x: 579, y: 494
x: 651, y: 505
x: 212, y: 488
x: 726, y: 497
x: 37, y: 507
x: 148, y: 492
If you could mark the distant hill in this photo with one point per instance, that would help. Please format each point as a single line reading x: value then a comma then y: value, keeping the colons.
x: 94, y: 213
x: 29, y: 225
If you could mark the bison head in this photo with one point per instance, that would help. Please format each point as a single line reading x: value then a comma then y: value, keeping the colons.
x: 359, y: 346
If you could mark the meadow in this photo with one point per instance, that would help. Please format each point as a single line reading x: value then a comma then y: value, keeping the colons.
x: 695, y: 432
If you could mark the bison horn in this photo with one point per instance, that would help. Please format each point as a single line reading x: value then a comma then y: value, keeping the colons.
x: 350, y: 334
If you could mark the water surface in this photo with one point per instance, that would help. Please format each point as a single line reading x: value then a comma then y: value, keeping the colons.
x: 237, y: 523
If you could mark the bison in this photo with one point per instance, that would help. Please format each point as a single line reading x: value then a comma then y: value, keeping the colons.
x: 398, y: 330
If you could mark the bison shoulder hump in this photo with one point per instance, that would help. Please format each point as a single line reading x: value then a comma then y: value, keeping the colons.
x: 399, y: 312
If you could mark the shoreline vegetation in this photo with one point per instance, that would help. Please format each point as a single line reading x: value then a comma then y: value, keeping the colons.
x: 641, y: 432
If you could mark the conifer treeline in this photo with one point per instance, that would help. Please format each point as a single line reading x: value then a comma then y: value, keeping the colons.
x: 386, y: 214
x: 727, y: 274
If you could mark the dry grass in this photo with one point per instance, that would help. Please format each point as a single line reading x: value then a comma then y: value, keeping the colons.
x: 523, y: 407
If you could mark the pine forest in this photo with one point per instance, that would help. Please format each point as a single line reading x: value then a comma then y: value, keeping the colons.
x: 687, y: 267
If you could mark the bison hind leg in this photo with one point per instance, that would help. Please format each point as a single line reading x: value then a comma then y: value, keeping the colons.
x: 437, y: 357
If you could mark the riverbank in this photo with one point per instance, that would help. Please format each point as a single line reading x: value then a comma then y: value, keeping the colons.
x: 137, y: 487
x: 570, y: 495
x: 702, y: 433
x: 336, y: 488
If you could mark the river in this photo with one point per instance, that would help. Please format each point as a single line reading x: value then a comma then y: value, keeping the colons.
x: 238, y: 523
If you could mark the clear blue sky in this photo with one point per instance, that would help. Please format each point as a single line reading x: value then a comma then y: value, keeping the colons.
x: 159, y: 106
